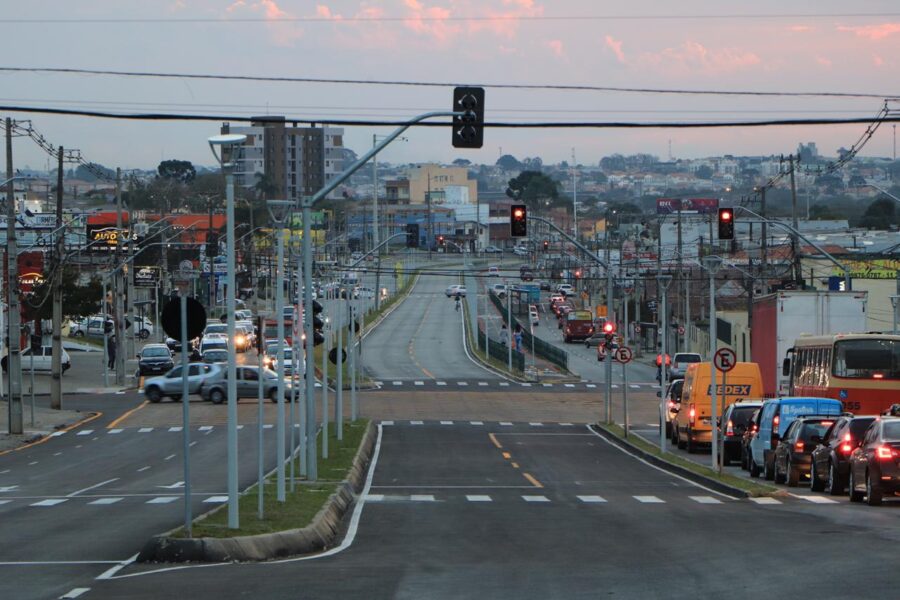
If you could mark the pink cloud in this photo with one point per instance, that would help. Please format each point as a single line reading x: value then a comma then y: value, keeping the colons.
x: 556, y: 46
x: 694, y: 57
x: 430, y: 22
x: 800, y: 28
x: 872, y: 32
x: 283, y: 34
x: 824, y: 62
x: 616, y: 47
x: 877, y: 60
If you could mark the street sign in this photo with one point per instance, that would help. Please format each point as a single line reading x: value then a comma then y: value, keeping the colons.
x: 171, y: 318
x: 681, y: 330
x: 623, y: 355
x: 725, y: 359
x: 333, y: 356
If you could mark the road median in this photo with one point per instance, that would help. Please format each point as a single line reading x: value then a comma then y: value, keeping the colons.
x: 310, y: 520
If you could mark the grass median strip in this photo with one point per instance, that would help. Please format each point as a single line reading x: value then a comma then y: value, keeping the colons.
x: 300, y: 506
x: 752, y: 488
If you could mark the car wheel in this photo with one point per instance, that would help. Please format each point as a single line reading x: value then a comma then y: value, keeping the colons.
x: 873, y: 491
x: 777, y: 477
x: 752, y: 466
x: 690, y: 443
x: 768, y: 469
x: 78, y: 334
x: 725, y: 457
x: 217, y: 396
x: 153, y: 394
x: 176, y: 397
x: 855, y: 496
x: 792, y: 474
x: 834, y: 486
x: 815, y: 484
x: 143, y: 334
x: 273, y: 395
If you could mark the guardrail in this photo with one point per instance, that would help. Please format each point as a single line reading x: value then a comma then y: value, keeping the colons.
x: 545, y: 350
x: 500, y: 352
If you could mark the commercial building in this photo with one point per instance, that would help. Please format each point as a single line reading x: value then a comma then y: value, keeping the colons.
x: 443, y: 185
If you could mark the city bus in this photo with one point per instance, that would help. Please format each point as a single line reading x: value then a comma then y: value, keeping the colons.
x: 862, y: 370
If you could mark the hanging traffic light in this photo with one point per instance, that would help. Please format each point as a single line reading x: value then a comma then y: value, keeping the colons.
x: 318, y: 323
x: 440, y: 240
x: 468, y: 128
x: 726, y: 223
x: 609, y: 329
x: 518, y: 220
x: 546, y: 245
x: 412, y: 235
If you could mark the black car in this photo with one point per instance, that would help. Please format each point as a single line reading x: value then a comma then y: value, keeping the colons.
x: 175, y: 346
x: 545, y: 286
x: 793, y: 454
x: 155, y: 359
x: 831, y: 458
x: 875, y: 464
x: 732, y: 427
x: 747, y: 437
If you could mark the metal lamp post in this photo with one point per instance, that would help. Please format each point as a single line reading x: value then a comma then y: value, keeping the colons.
x: 712, y: 264
x: 228, y: 142
x: 662, y: 283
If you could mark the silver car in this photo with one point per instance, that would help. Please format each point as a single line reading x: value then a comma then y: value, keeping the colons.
x: 247, y: 386
x: 170, y: 384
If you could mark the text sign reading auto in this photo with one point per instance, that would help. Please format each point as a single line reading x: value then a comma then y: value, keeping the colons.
x: 725, y: 359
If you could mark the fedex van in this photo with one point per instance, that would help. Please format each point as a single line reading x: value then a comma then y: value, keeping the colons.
x: 693, y: 422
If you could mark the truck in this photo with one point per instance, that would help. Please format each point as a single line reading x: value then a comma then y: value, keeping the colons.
x: 781, y: 318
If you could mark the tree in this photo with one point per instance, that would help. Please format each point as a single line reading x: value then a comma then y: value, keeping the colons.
x: 614, y: 162
x: 179, y: 170
x: 881, y: 214
x: 78, y: 300
x: 534, y: 189
x: 509, y: 162
x: 704, y: 172
x: 86, y: 172
x: 462, y: 162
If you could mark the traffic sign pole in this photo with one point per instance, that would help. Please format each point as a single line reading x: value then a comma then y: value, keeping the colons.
x: 723, y: 360
x: 625, y: 395
x: 185, y: 413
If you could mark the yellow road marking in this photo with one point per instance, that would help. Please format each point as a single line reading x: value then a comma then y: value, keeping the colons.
x: 128, y: 414
x: 515, y: 465
x: 47, y: 438
x: 494, y: 439
x: 532, y: 480
x: 507, y: 455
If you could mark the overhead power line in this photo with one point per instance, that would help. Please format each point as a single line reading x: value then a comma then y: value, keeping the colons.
x: 382, y: 82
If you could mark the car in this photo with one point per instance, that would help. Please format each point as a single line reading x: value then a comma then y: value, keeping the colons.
x: 793, y: 454
x: 680, y: 362
x: 242, y: 340
x: 533, y: 316
x: 249, y: 328
x: 456, y: 290
x: 213, y: 342
x: 556, y: 299
x: 244, y: 314
x: 216, y: 389
x: 544, y: 285
x: 596, y: 339
x: 493, y: 271
x: 831, y: 458
x: 749, y: 434
x: 493, y: 250
x: 216, y: 327
x: 42, y: 359
x: 526, y: 274
x: 170, y: 384
x: 143, y: 327
x: 90, y: 327
x: 520, y: 251
x: 565, y: 289
x: 155, y: 359
x: 193, y: 346
x: 875, y: 464
x: 363, y: 292
x: 291, y: 362
x: 734, y: 422
x: 672, y: 401
x: 499, y: 289
x: 214, y: 355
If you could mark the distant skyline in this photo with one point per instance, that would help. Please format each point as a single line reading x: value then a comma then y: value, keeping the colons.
x: 644, y: 44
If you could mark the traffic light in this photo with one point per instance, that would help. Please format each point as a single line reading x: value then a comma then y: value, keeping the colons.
x: 546, y: 245
x: 440, y: 240
x: 726, y: 224
x: 609, y: 329
x: 318, y: 323
x: 412, y: 235
x: 578, y: 274
x: 468, y: 129
x: 518, y: 220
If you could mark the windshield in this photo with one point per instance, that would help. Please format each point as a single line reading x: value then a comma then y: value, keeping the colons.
x: 867, y: 359
x: 687, y: 358
x: 891, y: 431
x: 155, y: 352
x: 216, y: 328
x: 814, y: 429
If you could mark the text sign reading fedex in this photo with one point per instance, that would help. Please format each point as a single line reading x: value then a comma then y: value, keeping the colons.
x: 732, y: 389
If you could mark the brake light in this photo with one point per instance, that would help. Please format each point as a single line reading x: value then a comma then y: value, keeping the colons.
x: 671, y: 405
x: 878, y: 376
x: 775, y: 421
x: 884, y: 452
x: 692, y: 415
x: 729, y: 429
x: 798, y: 446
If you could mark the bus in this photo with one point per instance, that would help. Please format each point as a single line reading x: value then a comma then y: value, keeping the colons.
x: 862, y: 370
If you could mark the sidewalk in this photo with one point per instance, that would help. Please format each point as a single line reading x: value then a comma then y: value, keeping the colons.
x: 85, y: 377
x: 46, y: 421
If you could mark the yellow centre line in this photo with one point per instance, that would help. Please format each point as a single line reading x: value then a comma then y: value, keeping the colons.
x: 515, y: 465
x: 532, y: 480
x: 507, y: 455
x: 128, y: 414
x: 47, y: 438
x: 494, y: 439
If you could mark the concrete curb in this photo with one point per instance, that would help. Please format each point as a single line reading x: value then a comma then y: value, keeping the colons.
x: 672, y: 468
x: 318, y: 535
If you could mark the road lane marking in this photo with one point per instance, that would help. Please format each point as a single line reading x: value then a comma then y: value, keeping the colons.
x: 419, y: 383
x: 169, y: 457
x: 591, y: 385
x: 505, y: 424
x: 415, y: 422
x: 535, y: 498
x: 162, y: 500
x: 387, y: 422
x: 507, y: 455
x: 50, y: 502
x: 494, y: 439
x: 478, y: 498
x: 8, y: 488
x: 397, y: 382
x: 268, y: 426
x: 5, y: 471
x: 764, y: 500
x: 476, y: 423
x: 74, y: 593
x: 142, y: 469
x: 525, y: 384
x: 113, y: 431
x: 532, y: 480
x: 515, y: 465
x: 591, y: 499
x: 105, y: 501
x: 192, y: 444
x: 216, y: 500
x: 569, y: 385
x: 565, y: 425
x: 446, y: 422
x: 34, y: 462
x: 421, y: 498
x: 462, y: 383
x: 504, y: 384
x: 536, y: 424
x: 91, y: 487
x: 483, y: 383
x: 85, y: 432
x: 705, y: 499
x: 649, y: 500
x: 57, y: 453
x: 205, y: 428
x: 127, y: 414
x: 57, y: 433
x: 145, y: 430
x: 815, y: 499
x: 174, y: 429
x: 374, y: 497
x: 172, y: 486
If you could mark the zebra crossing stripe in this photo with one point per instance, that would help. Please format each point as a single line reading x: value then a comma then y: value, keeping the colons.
x: 478, y: 498
x: 106, y: 501
x: 705, y: 499
x: 764, y: 500
x: 592, y: 499
x: 536, y: 498
x: 422, y: 498
x: 649, y: 500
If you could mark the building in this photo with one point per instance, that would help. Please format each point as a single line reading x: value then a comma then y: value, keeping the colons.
x: 443, y: 185
x: 295, y: 161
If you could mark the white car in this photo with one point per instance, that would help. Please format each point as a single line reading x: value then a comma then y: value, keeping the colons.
x: 291, y: 362
x: 43, y: 360
x: 533, y: 315
x: 499, y: 289
x: 456, y: 290
x: 565, y: 289
x: 520, y: 251
x: 493, y: 271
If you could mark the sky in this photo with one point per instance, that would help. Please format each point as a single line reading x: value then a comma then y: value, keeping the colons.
x: 773, y: 46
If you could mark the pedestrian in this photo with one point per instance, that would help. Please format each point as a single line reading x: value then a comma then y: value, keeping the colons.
x: 504, y: 334
x: 111, y: 352
x: 518, y: 338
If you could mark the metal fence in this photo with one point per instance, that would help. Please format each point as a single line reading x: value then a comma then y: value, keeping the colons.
x: 500, y: 352
x: 545, y: 350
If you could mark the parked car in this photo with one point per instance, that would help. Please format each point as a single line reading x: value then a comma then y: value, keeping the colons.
x: 493, y: 272
x: 533, y: 315
x: 672, y: 400
x: 831, y: 458
x: 734, y: 422
x: 43, y: 360
x: 155, y: 359
x: 565, y: 289
x: 793, y: 454
x: 216, y: 389
x: 749, y: 434
x: 520, y: 251
x: 456, y: 290
x: 170, y: 384
x: 90, y: 327
x: 680, y: 362
x: 875, y: 463
x: 777, y: 415
x: 493, y: 250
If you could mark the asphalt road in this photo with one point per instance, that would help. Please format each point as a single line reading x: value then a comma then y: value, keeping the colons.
x: 526, y: 511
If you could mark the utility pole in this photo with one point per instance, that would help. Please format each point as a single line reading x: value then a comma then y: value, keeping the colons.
x: 795, y: 242
x: 574, y: 198
x: 374, y: 194
x: 56, y: 358
x: 12, y: 286
x: 683, y: 338
x: 129, y: 282
x: 763, y: 245
x: 430, y: 222
x: 119, y: 285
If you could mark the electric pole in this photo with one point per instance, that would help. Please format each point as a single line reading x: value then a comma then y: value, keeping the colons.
x: 12, y: 286
x: 59, y: 248
x: 119, y: 285
x: 764, y: 244
x: 795, y: 242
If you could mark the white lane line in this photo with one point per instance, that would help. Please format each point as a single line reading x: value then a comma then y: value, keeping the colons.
x: 476, y: 423
x: 216, y: 500
x: 649, y: 500
x: 442, y: 383
x: 614, y: 386
x: 114, y: 431
x: 536, y: 424
x: 107, y: 574
x: 142, y: 469
x: 815, y: 499
x: 525, y: 384
x: 565, y: 425
x: 397, y: 382
x: 415, y: 422
x: 462, y: 383
x: 162, y: 500
x: 8, y: 488
x: 192, y: 444
x: 764, y: 500
x: 419, y: 383
x: 446, y: 422
x: 105, y: 501
x: 387, y: 422
x: 535, y: 498
x: 569, y: 385
x: 85, y: 432
x: 547, y: 384
x: 268, y: 426
x: 169, y: 457
x: 421, y: 498
x: 705, y: 499
x: 592, y: 499
x: 634, y: 387
x: 50, y: 502
x: 57, y: 453
x: 174, y: 429
x: 483, y: 383
x: 478, y: 498
x: 5, y: 501
x: 91, y: 487
x: 58, y: 433
x: 5, y: 471
x: 74, y: 593
x: 34, y: 462
x: 374, y: 497
x: 505, y: 424
x: 504, y: 384
x: 145, y: 430
x: 205, y: 428
x: 591, y: 385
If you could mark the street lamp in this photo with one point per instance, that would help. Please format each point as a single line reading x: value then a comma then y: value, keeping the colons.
x: 228, y: 142
x: 663, y: 282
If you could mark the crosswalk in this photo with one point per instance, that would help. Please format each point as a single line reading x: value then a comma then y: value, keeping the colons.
x: 496, y: 385
x: 96, y: 501
x: 486, y: 424
x: 636, y: 500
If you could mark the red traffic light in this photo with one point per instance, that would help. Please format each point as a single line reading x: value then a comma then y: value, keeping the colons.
x: 609, y: 327
x: 518, y: 213
x: 726, y: 215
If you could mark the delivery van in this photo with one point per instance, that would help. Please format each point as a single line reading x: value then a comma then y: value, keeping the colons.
x: 693, y: 423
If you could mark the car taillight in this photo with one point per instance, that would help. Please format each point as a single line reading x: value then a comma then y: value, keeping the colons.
x: 884, y: 452
x: 671, y: 405
x: 692, y: 415
x: 846, y: 446
x: 729, y: 429
x: 798, y: 446
x: 775, y: 422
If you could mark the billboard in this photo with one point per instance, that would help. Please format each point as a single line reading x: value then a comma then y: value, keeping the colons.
x: 690, y: 206
x: 146, y: 277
